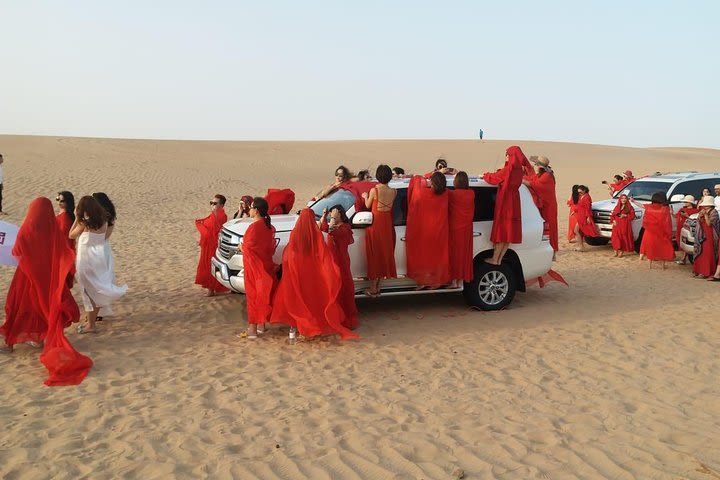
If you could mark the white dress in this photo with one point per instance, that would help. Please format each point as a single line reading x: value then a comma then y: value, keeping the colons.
x: 95, y: 272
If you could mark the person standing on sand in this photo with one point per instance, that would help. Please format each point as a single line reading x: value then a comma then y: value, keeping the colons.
x: 380, y: 235
x: 507, y: 221
x: 657, y: 222
x: 2, y: 178
x: 339, y: 238
x: 622, y: 234
x: 585, y: 226
x: 707, y: 236
x: 209, y: 228
x: 109, y: 208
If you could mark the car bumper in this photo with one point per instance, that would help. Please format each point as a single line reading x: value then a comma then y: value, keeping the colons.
x: 232, y: 279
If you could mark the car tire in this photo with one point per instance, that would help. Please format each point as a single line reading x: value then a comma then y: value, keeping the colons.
x: 596, y: 241
x: 492, y: 288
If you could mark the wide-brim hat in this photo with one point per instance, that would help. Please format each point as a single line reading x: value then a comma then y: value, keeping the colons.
x: 628, y: 173
x: 688, y: 199
x: 542, y: 161
x: 707, y: 202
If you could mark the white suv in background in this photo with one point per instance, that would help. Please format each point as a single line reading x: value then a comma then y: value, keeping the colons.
x: 673, y: 185
x: 493, y: 287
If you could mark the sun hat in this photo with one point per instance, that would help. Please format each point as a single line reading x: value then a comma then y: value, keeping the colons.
x: 628, y: 173
x: 688, y: 199
x: 707, y: 201
x: 542, y: 161
x: 717, y: 186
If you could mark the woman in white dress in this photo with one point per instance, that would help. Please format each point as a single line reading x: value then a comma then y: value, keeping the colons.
x: 109, y: 208
x: 95, y: 275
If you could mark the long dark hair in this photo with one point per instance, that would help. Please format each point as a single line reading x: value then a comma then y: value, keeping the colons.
x: 575, y: 193
x: 658, y: 197
x: 91, y: 213
x: 341, y: 209
x: 346, y: 173
x: 438, y: 183
x: 105, y: 202
x: 261, y: 206
x: 69, y: 201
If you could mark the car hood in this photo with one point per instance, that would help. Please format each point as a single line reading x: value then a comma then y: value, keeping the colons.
x: 282, y: 223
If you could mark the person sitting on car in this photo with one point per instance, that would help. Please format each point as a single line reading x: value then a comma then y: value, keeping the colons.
x: 398, y: 172
x: 342, y: 175
x: 442, y: 167
x: 615, y: 186
x: 681, y: 216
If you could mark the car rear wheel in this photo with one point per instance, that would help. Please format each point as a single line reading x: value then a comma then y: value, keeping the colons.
x: 492, y: 288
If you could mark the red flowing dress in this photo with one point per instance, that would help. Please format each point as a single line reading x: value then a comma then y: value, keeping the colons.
x: 25, y: 319
x: 705, y: 263
x: 462, y: 210
x: 44, y: 262
x: 657, y: 239
x: 583, y: 212
x: 572, y: 219
x: 258, y: 247
x: 428, y: 259
x: 622, y: 232
x: 65, y: 223
x: 339, y: 239
x: 380, y: 244
x: 308, y: 295
x: 680, y: 221
x: 209, y: 228
x: 507, y: 221
x: 543, y: 186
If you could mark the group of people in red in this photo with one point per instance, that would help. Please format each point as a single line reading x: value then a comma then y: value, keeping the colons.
x: 53, y: 253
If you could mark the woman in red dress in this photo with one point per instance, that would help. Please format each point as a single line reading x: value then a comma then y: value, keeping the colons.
x: 507, y: 220
x: 340, y: 237
x: 572, y: 216
x: 209, y: 228
x: 707, y: 235
x: 65, y: 219
x: 380, y: 236
x: 585, y: 226
x: 657, y: 240
x: 308, y: 295
x: 622, y: 233
x: 257, y: 248
x: 542, y: 185
x: 461, y: 206
x: 428, y: 260
x: 681, y: 216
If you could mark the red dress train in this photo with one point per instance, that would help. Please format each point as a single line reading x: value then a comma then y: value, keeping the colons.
x: 258, y: 247
x: 657, y: 239
x: 338, y: 242
x: 461, y: 212
x: 507, y: 221
x: 428, y: 259
x: 622, y: 232
x: 380, y: 244
x: 308, y: 294
x: 209, y: 228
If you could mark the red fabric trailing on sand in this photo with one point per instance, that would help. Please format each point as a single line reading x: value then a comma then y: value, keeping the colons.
x: 552, y: 275
x: 657, y: 239
x: 380, y: 245
x: 680, y: 221
x: 209, y: 228
x: 507, y: 221
x: 307, y: 296
x: 26, y: 319
x: 622, y: 232
x: 427, y: 234
x: 280, y: 201
x: 543, y: 187
x: 338, y: 242
x: 45, y: 257
x: 461, y: 206
x: 258, y: 247
x: 584, y: 216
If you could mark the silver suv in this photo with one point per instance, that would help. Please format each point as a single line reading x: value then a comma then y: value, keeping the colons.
x: 641, y: 190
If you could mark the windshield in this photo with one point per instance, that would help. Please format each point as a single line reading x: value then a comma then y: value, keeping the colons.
x: 642, y: 190
x: 342, y: 197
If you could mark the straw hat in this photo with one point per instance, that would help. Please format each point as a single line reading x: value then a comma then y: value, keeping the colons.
x: 688, y: 199
x: 628, y: 173
x: 542, y: 161
x: 707, y: 201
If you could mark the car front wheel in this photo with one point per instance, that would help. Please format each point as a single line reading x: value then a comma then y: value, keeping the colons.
x: 492, y: 288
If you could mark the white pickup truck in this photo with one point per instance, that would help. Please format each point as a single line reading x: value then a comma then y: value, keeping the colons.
x: 492, y: 288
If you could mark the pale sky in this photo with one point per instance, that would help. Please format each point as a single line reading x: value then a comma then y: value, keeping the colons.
x: 636, y: 73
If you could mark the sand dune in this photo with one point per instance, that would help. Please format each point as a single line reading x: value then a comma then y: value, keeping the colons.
x: 614, y: 377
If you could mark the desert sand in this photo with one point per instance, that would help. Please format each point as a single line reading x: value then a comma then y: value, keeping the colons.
x: 615, y: 376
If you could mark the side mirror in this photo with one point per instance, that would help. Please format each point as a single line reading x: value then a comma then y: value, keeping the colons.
x: 362, y: 219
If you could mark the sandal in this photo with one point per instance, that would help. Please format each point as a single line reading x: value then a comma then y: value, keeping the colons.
x: 713, y: 279
x: 83, y: 329
x: 245, y: 335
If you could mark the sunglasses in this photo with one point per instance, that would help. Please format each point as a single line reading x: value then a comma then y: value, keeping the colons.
x: 59, y: 199
x: 214, y: 203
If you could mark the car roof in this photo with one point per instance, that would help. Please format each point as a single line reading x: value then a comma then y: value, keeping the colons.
x: 474, y: 181
x: 672, y: 177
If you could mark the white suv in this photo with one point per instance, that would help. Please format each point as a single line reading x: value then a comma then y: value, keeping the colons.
x: 492, y: 288
x: 672, y: 185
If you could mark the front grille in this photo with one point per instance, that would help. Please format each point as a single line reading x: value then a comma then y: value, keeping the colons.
x: 601, y: 217
x: 226, y: 247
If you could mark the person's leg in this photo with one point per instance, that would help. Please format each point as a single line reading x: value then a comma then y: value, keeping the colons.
x: 579, y: 237
x: 1, y: 189
x: 503, y: 250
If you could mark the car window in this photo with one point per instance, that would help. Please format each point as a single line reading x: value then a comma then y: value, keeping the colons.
x: 695, y: 187
x: 484, y: 203
x: 642, y: 190
x: 342, y: 197
x: 399, y: 210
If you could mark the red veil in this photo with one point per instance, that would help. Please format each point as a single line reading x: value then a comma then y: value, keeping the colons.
x: 428, y: 259
x: 622, y: 233
x: 258, y: 247
x: 307, y: 296
x: 507, y: 222
x: 280, y: 201
x: 657, y: 239
x: 209, y: 228
x: 44, y: 256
